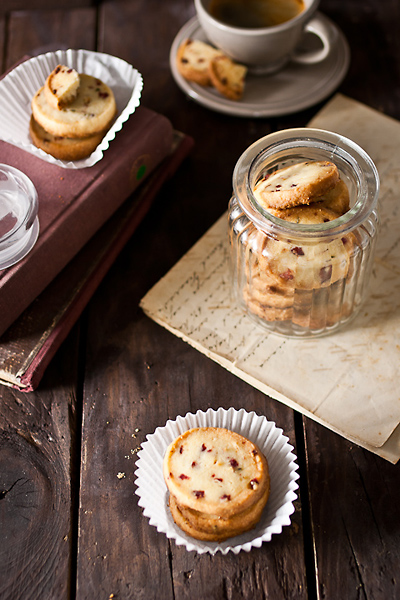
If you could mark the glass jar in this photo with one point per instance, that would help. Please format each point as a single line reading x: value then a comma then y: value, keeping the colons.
x: 19, y: 223
x: 299, y: 279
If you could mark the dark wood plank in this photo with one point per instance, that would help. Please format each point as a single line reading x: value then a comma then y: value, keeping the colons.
x: 355, y: 497
x: 8, y: 6
x: 36, y: 467
x: 35, y: 32
x: 373, y: 76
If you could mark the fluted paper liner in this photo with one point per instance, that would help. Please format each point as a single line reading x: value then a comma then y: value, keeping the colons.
x: 19, y: 86
x: 153, y: 493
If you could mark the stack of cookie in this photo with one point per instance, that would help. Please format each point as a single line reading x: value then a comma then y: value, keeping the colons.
x: 203, y: 64
x: 71, y: 114
x: 218, y: 483
x: 290, y: 281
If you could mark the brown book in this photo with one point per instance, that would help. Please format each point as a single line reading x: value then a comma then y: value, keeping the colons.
x: 75, y: 203
x: 27, y: 347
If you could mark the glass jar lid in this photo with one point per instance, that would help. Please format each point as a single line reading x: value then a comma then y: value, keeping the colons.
x: 19, y: 224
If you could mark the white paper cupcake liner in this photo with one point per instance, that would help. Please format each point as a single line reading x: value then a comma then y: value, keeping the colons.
x: 19, y: 86
x: 153, y: 494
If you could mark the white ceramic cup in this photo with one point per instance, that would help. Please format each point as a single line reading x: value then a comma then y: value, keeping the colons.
x: 267, y: 49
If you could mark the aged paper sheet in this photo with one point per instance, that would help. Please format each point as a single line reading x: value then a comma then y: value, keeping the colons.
x: 347, y: 381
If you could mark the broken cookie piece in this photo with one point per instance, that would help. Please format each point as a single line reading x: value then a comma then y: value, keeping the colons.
x: 193, y: 61
x: 228, y: 77
x: 61, y: 86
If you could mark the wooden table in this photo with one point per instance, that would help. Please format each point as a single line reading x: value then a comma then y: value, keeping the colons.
x: 69, y: 526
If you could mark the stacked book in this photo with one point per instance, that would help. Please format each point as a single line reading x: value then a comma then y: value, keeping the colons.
x: 85, y: 217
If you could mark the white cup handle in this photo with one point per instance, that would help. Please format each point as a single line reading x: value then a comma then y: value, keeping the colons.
x: 317, y: 27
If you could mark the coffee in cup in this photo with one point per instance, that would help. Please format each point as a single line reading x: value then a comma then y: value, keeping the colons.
x: 255, y: 13
x: 264, y: 34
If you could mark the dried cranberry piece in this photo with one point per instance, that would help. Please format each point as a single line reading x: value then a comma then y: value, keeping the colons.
x: 198, y: 493
x: 254, y: 483
x: 226, y: 497
x: 203, y: 448
x: 234, y: 463
x: 287, y: 275
x: 297, y: 251
x: 194, y: 463
x: 183, y: 476
x: 180, y: 449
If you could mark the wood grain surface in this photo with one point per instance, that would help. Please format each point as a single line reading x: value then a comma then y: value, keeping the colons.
x: 70, y: 526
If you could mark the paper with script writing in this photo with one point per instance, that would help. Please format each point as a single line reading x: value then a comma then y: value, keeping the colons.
x: 347, y: 381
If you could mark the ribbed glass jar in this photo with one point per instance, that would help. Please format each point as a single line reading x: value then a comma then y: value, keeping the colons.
x: 302, y: 280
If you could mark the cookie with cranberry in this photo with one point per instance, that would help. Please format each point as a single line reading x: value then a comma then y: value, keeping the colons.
x: 296, y: 184
x: 336, y: 200
x: 307, y: 265
x: 215, y: 471
x: 228, y: 77
x: 90, y: 112
x: 63, y: 148
x: 216, y: 529
x: 193, y: 60
x: 61, y: 86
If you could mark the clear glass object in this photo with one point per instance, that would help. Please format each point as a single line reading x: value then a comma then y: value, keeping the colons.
x: 19, y: 224
x: 301, y: 280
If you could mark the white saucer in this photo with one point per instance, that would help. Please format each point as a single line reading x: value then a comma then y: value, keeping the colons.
x: 292, y: 89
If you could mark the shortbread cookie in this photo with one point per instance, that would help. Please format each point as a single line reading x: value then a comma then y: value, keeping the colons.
x: 300, y: 183
x: 63, y: 148
x: 228, y: 77
x: 311, y: 214
x: 216, y: 529
x: 308, y: 267
x: 91, y: 112
x: 193, y: 60
x: 264, y: 289
x: 336, y: 200
x: 270, y: 296
x: 61, y: 86
x: 215, y: 471
x: 266, y: 312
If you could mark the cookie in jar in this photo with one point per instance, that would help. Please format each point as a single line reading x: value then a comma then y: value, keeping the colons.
x: 303, y: 222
